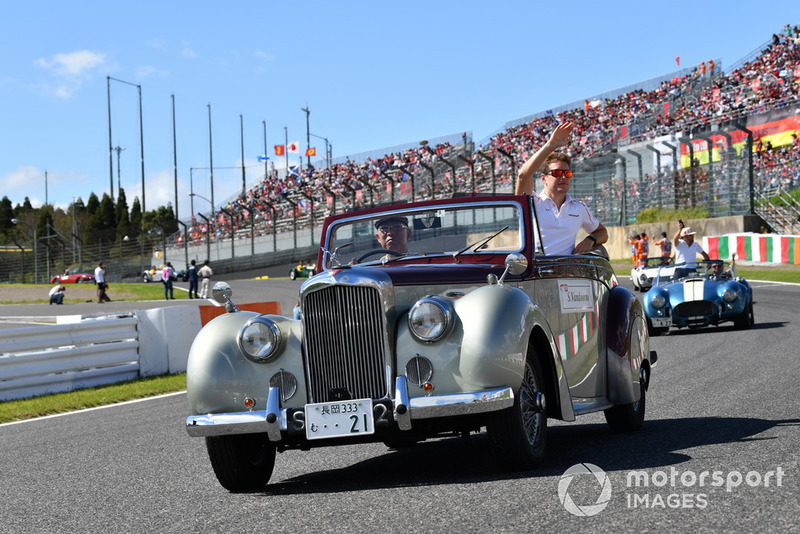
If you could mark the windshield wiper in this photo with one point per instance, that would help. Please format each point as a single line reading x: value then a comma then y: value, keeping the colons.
x: 476, y: 245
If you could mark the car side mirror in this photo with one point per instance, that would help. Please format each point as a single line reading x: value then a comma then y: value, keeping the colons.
x: 516, y: 264
x: 221, y: 292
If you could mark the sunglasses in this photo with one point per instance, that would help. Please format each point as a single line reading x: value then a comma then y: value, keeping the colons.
x: 558, y: 173
x: 386, y: 228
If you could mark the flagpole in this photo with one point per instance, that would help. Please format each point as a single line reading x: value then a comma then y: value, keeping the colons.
x: 286, y: 150
x: 241, y: 136
x: 266, y: 157
x: 308, y: 138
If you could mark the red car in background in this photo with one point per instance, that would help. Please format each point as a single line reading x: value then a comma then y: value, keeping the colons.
x: 73, y: 277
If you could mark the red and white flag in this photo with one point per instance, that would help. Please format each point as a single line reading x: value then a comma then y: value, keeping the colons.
x: 294, y: 148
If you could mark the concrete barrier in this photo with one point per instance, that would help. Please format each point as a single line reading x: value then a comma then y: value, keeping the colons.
x: 86, y: 351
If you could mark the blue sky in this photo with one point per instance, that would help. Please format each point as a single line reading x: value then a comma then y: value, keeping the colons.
x: 373, y: 75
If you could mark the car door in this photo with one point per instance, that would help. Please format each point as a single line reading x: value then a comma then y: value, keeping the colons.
x: 570, y: 290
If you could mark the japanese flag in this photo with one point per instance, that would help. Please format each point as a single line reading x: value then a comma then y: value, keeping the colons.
x: 294, y: 148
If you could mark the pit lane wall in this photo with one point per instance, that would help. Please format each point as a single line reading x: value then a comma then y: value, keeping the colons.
x: 86, y: 351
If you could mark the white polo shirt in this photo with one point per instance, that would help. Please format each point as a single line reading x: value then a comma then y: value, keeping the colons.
x: 560, y: 227
x: 685, y: 253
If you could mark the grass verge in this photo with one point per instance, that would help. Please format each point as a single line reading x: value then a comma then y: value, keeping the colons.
x: 38, y: 293
x: 18, y: 410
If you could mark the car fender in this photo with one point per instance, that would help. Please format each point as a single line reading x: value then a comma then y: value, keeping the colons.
x: 498, y: 322
x: 218, y: 375
x: 627, y: 345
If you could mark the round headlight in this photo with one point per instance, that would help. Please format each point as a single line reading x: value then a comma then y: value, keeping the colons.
x: 260, y: 339
x: 658, y: 301
x: 729, y: 295
x: 428, y: 319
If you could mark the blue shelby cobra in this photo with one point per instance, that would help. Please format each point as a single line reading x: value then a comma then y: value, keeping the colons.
x: 708, y: 294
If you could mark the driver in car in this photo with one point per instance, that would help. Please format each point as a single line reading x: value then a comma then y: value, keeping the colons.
x: 393, y: 233
x: 718, y: 273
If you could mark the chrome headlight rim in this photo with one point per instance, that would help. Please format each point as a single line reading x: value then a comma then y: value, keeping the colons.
x: 441, y: 325
x: 729, y: 295
x: 658, y: 301
x: 266, y: 351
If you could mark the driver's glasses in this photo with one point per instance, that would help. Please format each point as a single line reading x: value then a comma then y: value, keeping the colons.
x: 386, y: 228
x: 557, y: 173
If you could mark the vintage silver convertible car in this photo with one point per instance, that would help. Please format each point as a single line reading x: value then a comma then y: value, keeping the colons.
x: 471, y: 328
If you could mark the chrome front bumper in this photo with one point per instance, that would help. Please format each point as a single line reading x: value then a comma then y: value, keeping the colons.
x: 273, y: 420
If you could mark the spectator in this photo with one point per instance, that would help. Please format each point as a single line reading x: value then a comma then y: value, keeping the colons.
x: 57, y: 294
x: 560, y: 216
x: 167, y: 274
x: 192, y: 272
x: 205, y: 273
x: 634, y: 241
x: 666, y: 248
x: 102, y: 286
x: 643, y: 248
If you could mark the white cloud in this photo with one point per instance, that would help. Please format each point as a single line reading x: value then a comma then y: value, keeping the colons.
x: 145, y: 72
x: 70, y: 70
x: 188, y: 53
x: 79, y: 63
x: 21, y: 178
x: 264, y: 56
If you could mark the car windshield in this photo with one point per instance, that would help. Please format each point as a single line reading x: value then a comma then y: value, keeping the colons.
x: 708, y: 270
x: 454, y: 230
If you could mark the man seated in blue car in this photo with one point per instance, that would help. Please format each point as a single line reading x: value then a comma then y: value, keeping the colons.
x: 717, y: 271
x: 559, y: 215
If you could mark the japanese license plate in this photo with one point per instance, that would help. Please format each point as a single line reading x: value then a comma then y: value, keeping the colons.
x: 660, y: 322
x: 339, y: 419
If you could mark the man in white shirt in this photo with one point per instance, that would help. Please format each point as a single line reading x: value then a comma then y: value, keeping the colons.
x: 686, y: 248
x: 205, y: 273
x: 560, y: 216
x: 57, y: 294
x: 100, y: 279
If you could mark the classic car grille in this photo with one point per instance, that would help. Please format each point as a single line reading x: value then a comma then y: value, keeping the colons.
x: 694, y: 309
x: 344, y: 341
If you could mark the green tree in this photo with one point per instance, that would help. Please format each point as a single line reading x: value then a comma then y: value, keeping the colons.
x: 136, y: 219
x: 6, y: 214
x: 123, y: 218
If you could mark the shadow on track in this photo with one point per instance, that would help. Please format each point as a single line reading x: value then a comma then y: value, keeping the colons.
x: 471, y: 460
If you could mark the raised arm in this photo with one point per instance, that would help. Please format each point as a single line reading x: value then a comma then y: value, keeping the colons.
x: 560, y: 137
x: 677, y: 237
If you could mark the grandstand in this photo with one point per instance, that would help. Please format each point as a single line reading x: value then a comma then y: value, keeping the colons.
x: 721, y: 141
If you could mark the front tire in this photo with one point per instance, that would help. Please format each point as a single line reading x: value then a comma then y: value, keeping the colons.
x: 520, y: 432
x: 292, y: 275
x: 241, y: 462
x: 653, y: 331
x: 627, y: 417
x: 746, y: 319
